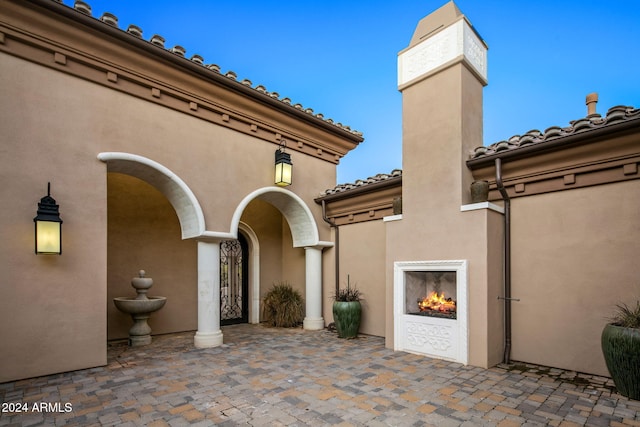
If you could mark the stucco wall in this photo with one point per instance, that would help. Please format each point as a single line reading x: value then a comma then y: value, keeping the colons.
x: 52, y: 308
x: 362, y: 258
x: 574, y: 259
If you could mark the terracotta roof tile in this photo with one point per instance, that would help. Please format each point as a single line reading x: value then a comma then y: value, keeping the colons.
x: 615, y: 114
x: 362, y: 182
x: 159, y: 41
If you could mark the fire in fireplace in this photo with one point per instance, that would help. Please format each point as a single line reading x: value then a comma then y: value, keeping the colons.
x: 431, y: 293
x: 437, y: 305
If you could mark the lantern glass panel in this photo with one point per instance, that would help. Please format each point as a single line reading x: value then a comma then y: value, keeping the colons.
x: 283, y: 174
x: 48, y: 237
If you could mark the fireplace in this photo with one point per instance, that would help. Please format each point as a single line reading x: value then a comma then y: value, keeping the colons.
x: 430, y: 308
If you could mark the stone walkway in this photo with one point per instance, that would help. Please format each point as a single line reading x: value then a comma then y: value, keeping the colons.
x: 289, y: 377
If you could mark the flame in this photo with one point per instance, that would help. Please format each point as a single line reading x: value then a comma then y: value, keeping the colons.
x: 437, y: 303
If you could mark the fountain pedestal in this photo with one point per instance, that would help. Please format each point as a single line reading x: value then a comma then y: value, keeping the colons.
x: 140, y: 309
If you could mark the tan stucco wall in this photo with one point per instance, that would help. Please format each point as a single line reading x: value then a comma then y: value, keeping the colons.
x: 53, y: 308
x: 362, y: 258
x: 574, y: 259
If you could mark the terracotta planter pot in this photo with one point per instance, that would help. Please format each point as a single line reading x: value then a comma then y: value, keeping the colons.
x: 621, y: 349
x: 479, y: 191
x: 346, y: 316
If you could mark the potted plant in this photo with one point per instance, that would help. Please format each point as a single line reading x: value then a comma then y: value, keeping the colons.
x: 283, y: 306
x: 347, y: 311
x: 621, y: 349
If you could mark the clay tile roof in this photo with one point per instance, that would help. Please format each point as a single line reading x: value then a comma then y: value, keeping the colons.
x: 615, y: 115
x: 159, y: 41
x: 379, y: 178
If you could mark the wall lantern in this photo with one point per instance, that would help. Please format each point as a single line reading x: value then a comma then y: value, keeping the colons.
x: 284, y: 167
x: 48, y: 226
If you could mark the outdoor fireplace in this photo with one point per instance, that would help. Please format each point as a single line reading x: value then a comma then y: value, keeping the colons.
x: 430, y: 308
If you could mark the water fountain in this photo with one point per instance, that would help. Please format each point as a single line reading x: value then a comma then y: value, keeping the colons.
x: 140, y: 309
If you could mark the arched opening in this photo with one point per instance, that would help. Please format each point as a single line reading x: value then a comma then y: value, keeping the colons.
x: 150, y: 211
x: 168, y: 183
x: 304, y: 230
x: 303, y: 235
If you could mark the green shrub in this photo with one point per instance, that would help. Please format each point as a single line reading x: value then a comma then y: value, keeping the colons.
x: 283, y: 306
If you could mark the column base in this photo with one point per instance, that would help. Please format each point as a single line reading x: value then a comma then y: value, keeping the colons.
x: 313, y: 323
x: 207, y: 339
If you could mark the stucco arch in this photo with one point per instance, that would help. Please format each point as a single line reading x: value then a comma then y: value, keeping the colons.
x: 304, y: 230
x: 168, y: 183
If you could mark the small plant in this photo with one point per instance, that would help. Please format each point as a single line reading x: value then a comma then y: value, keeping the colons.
x: 348, y: 294
x: 627, y: 317
x: 283, y: 306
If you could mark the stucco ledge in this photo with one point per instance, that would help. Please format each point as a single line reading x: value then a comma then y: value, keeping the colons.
x: 482, y: 205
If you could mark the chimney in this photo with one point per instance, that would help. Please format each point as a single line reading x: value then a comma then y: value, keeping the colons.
x: 592, y: 100
x: 441, y: 75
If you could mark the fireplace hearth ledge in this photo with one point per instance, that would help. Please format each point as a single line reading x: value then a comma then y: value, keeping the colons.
x: 439, y: 338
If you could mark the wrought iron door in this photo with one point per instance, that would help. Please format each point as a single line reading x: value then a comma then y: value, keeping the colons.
x: 234, y: 281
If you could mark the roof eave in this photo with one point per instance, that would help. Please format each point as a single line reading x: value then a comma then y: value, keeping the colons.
x: 560, y: 143
x: 364, y: 189
x: 200, y: 70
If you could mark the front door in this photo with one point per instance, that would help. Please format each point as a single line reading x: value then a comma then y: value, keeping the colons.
x: 234, y: 281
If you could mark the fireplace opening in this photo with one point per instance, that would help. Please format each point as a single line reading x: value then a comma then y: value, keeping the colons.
x: 431, y: 293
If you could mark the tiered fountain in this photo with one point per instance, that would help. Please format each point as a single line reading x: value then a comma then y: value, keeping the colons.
x: 140, y: 309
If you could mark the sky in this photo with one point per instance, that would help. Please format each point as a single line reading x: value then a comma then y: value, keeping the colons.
x: 339, y: 57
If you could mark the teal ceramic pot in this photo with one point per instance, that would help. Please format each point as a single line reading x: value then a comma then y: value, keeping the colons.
x: 621, y: 349
x: 346, y: 316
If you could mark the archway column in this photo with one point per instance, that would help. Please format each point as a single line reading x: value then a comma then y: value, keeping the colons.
x: 209, y: 333
x: 313, y: 277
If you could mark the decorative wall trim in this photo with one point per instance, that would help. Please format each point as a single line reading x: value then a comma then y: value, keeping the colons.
x: 456, y: 43
x: 595, y: 172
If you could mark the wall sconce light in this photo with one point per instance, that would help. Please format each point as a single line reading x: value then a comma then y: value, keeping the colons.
x: 284, y: 167
x: 48, y: 226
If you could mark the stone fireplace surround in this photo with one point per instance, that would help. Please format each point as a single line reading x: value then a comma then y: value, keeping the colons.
x: 439, y: 338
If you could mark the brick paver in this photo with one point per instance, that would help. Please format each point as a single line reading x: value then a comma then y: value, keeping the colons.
x: 269, y: 377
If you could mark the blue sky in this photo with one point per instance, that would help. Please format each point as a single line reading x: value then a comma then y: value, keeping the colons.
x: 340, y: 58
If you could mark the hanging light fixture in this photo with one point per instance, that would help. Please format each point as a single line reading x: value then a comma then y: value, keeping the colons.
x: 48, y: 226
x: 284, y: 167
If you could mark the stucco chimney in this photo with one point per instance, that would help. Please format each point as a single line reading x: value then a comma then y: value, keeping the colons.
x: 441, y: 75
x: 592, y: 100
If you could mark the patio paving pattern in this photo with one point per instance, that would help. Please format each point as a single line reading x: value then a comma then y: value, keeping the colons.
x: 289, y: 377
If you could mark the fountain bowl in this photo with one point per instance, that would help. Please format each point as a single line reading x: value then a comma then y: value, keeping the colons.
x: 131, y: 305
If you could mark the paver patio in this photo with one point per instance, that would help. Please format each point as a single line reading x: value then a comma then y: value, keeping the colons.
x: 290, y: 377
